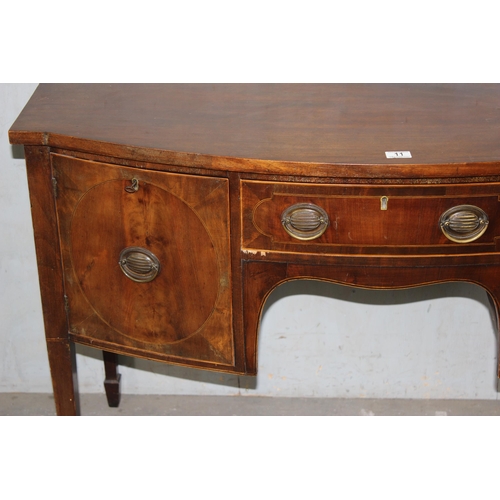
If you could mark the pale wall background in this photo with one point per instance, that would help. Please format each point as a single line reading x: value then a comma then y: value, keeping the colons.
x: 316, y: 340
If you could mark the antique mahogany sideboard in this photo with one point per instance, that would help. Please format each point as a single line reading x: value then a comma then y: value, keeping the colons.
x: 164, y: 215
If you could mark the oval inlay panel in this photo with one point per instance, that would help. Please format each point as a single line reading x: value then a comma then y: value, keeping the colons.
x: 180, y: 298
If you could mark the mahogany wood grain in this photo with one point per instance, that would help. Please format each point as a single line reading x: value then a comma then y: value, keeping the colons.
x: 357, y: 225
x: 185, y: 312
x: 294, y: 129
x: 63, y: 371
x: 261, y: 278
x: 216, y: 167
x: 60, y: 351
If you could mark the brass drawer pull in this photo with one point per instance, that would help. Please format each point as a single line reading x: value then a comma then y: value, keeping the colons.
x: 139, y: 264
x: 464, y: 223
x: 305, y: 221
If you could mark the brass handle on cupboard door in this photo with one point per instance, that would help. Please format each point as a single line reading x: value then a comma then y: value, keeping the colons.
x: 464, y: 223
x: 139, y: 264
x: 305, y: 221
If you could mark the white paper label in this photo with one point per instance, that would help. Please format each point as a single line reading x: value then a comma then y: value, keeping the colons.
x: 397, y: 154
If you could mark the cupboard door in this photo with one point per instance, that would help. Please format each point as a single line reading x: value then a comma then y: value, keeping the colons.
x: 146, y: 261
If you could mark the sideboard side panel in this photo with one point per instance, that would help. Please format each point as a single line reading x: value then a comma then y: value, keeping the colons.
x: 61, y: 352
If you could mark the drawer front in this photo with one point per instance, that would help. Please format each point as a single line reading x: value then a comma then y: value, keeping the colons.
x: 146, y: 265
x: 370, y: 219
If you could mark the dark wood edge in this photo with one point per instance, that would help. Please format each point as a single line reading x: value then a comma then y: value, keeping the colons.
x: 61, y: 351
x: 377, y: 261
x: 62, y: 360
x: 255, y: 165
x: 383, y: 182
x: 237, y: 292
x: 46, y: 234
x: 262, y: 278
x: 138, y: 353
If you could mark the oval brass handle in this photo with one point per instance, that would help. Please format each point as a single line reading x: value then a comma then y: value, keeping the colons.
x: 305, y: 221
x: 464, y: 223
x: 139, y: 264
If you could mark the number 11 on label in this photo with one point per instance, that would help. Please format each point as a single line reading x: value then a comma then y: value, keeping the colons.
x: 397, y: 154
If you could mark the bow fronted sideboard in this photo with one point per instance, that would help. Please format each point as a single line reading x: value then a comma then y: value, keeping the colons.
x: 165, y: 214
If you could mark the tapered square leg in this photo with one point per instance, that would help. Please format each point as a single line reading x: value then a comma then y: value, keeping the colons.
x: 62, y: 360
x: 112, y: 380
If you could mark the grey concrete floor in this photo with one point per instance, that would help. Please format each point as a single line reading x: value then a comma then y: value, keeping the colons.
x: 31, y: 404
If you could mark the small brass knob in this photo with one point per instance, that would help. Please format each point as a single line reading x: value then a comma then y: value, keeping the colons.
x: 464, y: 223
x: 139, y: 264
x: 305, y: 221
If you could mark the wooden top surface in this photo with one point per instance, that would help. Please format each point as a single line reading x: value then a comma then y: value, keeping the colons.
x: 280, y: 128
